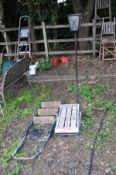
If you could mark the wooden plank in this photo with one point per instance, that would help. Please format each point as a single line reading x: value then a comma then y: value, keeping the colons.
x: 45, y: 38
x: 78, y: 119
x: 73, y: 117
x: 62, y: 116
x: 69, y: 40
x: 58, y: 116
x: 68, y: 117
x: 47, y: 26
x: 50, y: 41
x: 53, y: 104
x: 47, y: 112
x: 94, y: 37
x: 70, y: 52
x: 56, y: 52
x: 43, y: 120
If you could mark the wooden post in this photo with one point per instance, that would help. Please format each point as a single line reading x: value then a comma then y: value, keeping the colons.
x: 45, y: 38
x: 110, y: 11
x: 6, y: 40
x: 94, y: 37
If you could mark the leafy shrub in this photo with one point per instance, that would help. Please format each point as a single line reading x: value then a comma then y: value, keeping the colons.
x: 44, y: 64
x: 89, y: 92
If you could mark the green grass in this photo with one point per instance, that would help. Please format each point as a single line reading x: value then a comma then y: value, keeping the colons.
x: 88, y: 92
x: 19, y: 106
x: 92, y: 94
x: 22, y: 105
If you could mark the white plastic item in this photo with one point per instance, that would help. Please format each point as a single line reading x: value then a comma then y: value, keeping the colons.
x: 32, y: 69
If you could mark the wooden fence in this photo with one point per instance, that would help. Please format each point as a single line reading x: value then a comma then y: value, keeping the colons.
x: 46, y: 41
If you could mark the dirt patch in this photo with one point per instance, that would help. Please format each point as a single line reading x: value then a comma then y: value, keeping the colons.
x: 70, y: 155
x: 87, y: 66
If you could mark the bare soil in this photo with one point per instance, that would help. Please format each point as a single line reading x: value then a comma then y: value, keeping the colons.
x: 70, y: 155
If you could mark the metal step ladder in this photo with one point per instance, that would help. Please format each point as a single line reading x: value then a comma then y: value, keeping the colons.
x: 24, y: 43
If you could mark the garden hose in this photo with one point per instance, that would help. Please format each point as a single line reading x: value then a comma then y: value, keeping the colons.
x: 40, y: 150
x: 30, y: 124
x: 95, y: 139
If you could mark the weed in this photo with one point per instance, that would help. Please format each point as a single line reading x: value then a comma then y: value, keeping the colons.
x: 103, y: 135
x: 18, y: 106
x: 7, y: 154
x: 104, y: 104
x: 89, y: 92
x: 44, y: 64
x: 59, y: 47
x: 88, y: 122
x: 15, y: 171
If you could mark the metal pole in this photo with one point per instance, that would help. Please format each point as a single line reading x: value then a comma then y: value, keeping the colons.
x: 77, y: 69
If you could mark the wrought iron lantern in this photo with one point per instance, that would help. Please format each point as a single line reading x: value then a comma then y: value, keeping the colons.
x: 74, y: 24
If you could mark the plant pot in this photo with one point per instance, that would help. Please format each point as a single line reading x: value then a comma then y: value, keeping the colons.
x: 64, y: 60
x: 55, y: 62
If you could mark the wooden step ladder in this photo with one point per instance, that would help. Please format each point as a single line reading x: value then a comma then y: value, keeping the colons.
x: 67, y: 116
x: 47, y: 113
x: 102, y: 11
x: 108, y: 41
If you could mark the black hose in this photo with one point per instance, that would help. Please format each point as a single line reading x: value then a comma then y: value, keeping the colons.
x: 30, y: 123
x: 95, y: 139
x: 39, y: 151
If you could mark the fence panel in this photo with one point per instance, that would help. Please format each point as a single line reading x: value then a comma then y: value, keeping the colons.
x: 45, y: 41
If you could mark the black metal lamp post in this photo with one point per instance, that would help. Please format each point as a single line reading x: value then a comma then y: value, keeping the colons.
x: 74, y: 24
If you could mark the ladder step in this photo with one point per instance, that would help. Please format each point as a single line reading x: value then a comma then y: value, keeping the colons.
x: 47, y: 111
x: 23, y: 44
x: 43, y: 120
x: 22, y: 52
x: 54, y: 104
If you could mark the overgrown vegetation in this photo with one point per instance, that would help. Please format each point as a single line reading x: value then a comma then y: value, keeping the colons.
x: 22, y: 105
x: 44, y: 64
x: 18, y: 107
x: 91, y: 94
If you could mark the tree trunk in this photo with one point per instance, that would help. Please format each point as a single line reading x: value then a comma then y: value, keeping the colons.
x: 86, y: 17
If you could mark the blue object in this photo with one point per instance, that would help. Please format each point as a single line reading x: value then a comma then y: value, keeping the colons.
x: 7, y: 65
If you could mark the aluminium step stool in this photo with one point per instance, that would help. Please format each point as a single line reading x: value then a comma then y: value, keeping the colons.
x: 24, y: 39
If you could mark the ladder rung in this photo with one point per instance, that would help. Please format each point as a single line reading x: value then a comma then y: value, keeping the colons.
x: 23, y: 44
x: 23, y: 52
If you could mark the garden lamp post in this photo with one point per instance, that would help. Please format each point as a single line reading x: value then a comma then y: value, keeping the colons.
x: 74, y: 24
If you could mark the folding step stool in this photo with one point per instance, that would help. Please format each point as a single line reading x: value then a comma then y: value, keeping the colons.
x: 24, y: 43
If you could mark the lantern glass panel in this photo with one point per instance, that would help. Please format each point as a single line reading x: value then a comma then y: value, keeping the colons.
x: 74, y: 22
